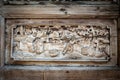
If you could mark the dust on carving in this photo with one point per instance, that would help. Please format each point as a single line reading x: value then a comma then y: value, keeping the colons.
x: 63, y: 42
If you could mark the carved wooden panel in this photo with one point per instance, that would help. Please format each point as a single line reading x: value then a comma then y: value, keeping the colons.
x: 61, y: 40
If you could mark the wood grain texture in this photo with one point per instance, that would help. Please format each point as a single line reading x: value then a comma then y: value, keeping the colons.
x: 60, y: 73
x: 10, y: 23
x: 82, y: 75
x: 24, y: 2
x: 1, y: 3
x: 60, y: 11
x: 1, y: 41
x: 118, y: 41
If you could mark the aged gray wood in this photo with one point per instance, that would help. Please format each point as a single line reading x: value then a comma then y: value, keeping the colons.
x: 82, y: 75
x: 1, y: 41
x: 1, y: 3
x: 22, y: 74
x: 31, y: 2
x: 10, y: 23
x: 60, y: 73
x: 57, y: 73
x: 60, y: 11
x: 118, y: 29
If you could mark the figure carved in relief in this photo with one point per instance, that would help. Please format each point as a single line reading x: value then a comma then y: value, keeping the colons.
x: 84, y: 41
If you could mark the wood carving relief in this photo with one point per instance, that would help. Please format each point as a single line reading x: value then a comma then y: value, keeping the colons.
x: 61, y: 42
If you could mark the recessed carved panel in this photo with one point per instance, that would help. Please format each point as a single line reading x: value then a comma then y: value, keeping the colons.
x: 82, y: 42
x: 61, y: 40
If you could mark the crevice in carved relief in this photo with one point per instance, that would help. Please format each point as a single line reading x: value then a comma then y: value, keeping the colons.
x: 61, y: 42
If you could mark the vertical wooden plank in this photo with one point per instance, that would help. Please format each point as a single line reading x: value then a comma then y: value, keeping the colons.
x: 1, y: 41
x: 118, y: 42
x: 1, y: 74
x: 1, y: 2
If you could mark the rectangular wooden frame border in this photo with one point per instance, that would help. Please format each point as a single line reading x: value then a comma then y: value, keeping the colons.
x: 5, y: 15
x: 113, y: 40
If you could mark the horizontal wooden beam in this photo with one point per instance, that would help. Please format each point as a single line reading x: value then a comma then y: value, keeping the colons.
x: 59, y: 73
x: 32, y: 2
x: 60, y: 11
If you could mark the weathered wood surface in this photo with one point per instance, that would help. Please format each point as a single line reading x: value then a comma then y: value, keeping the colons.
x: 43, y: 2
x: 0, y: 3
x: 73, y: 57
x: 1, y: 41
x: 118, y: 41
x: 24, y: 2
x: 59, y: 73
x: 60, y: 11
